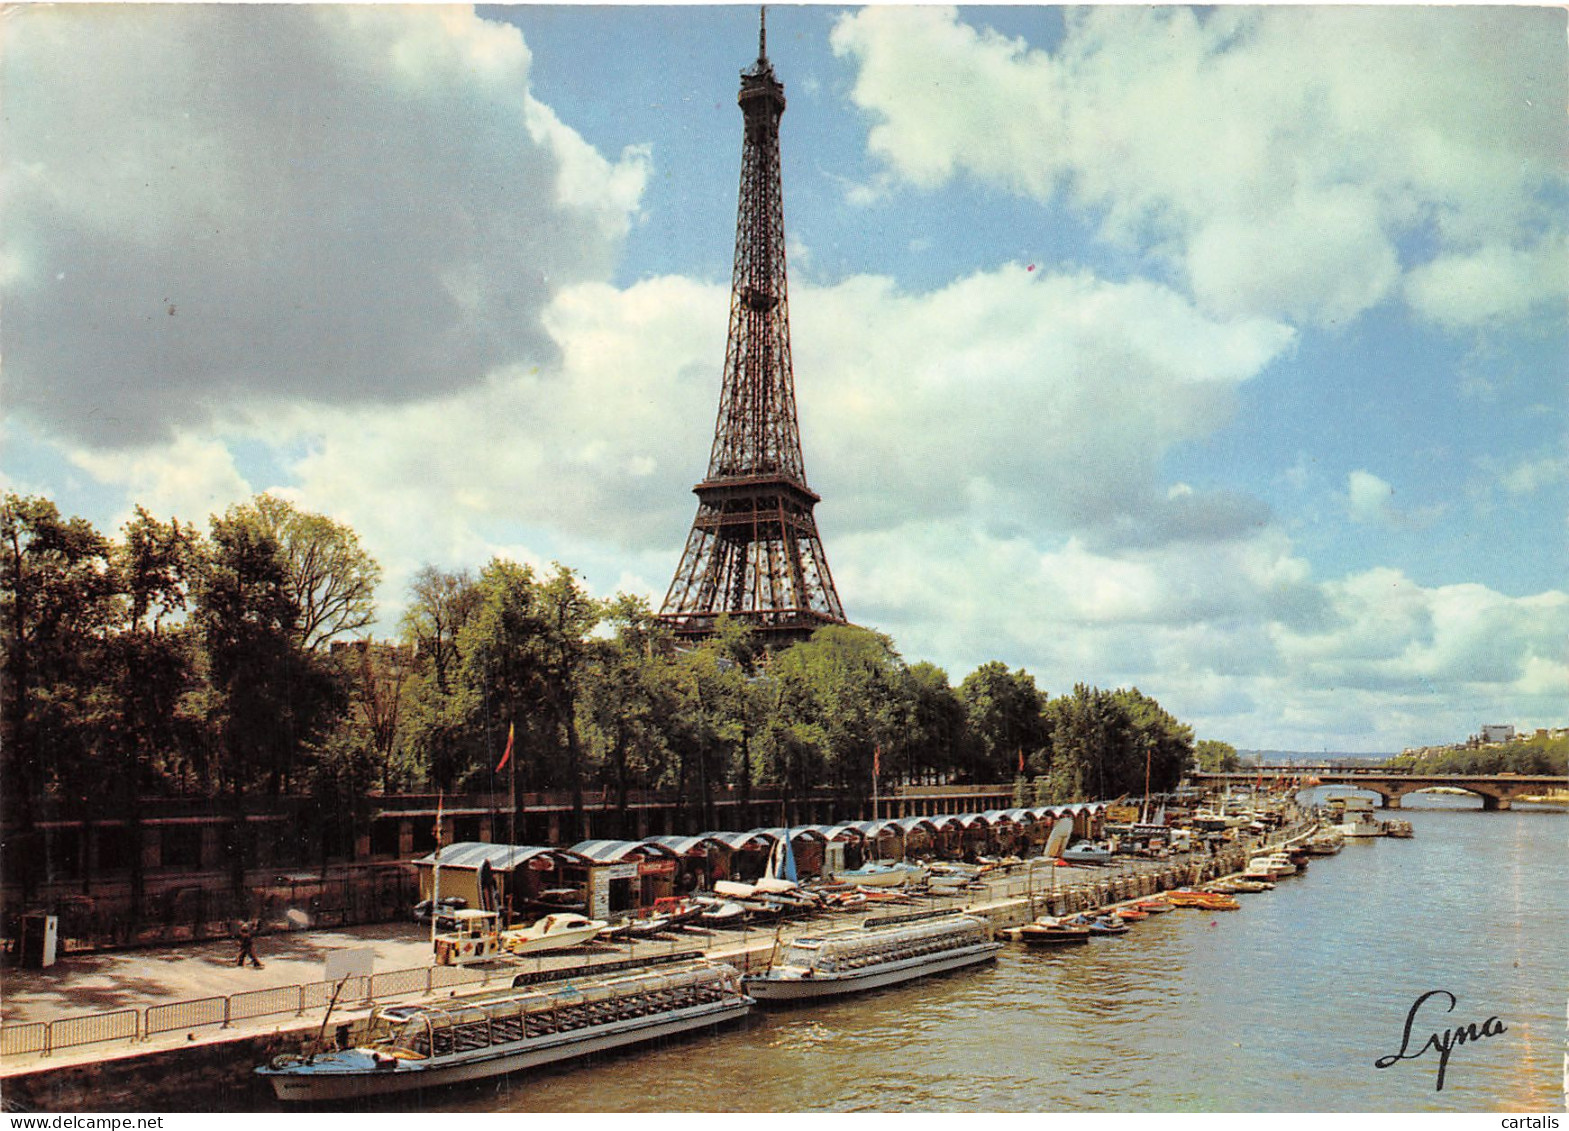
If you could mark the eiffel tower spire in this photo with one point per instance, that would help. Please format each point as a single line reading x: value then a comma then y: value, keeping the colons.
x: 754, y: 552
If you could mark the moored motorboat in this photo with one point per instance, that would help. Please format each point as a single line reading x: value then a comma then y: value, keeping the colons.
x: 1155, y: 906
x: 862, y: 958
x: 646, y: 927
x: 1098, y: 924
x: 1130, y: 914
x: 1087, y: 852
x: 1208, y: 901
x: 1325, y: 843
x: 881, y: 874
x: 407, y: 1047
x: 1047, y: 931
x: 552, y: 932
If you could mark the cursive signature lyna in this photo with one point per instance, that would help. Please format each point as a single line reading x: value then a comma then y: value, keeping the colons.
x: 1442, y: 1042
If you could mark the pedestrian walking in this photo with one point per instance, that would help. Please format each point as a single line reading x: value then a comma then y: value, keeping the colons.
x: 247, y: 946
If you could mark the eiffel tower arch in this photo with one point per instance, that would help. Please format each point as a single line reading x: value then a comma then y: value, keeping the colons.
x: 754, y: 552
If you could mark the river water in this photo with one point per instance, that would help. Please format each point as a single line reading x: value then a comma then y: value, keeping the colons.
x: 1284, y: 1005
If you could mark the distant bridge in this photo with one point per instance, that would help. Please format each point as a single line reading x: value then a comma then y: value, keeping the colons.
x: 1497, y: 791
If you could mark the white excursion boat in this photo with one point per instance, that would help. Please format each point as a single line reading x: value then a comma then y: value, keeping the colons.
x: 553, y: 932
x: 880, y: 875
x: 1282, y: 864
x: 863, y: 958
x: 1260, y: 868
x: 406, y: 1047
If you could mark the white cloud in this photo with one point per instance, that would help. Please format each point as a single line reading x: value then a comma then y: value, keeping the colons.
x: 1275, y: 157
x: 188, y: 479
x: 217, y: 205
x: 1368, y: 498
x: 1491, y: 283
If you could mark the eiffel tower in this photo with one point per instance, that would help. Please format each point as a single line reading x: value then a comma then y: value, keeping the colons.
x: 754, y: 552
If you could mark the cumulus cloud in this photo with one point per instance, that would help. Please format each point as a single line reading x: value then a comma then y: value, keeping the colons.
x: 1022, y: 398
x: 215, y: 205
x: 1278, y: 160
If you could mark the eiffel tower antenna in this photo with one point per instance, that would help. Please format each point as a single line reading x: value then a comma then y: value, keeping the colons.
x: 754, y: 552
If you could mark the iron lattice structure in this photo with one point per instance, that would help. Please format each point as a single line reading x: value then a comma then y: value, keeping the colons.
x: 754, y: 552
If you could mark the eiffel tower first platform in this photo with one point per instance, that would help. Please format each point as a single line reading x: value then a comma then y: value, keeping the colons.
x: 754, y: 552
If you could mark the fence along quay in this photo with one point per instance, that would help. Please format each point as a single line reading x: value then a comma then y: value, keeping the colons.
x: 1009, y: 900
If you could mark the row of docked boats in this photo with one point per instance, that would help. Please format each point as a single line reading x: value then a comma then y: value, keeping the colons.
x: 553, y: 1016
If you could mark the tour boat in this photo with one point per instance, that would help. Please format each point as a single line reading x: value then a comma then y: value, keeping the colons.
x: 553, y: 932
x: 1046, y: 931
x: 863, y: 958
x: 411, y: 1046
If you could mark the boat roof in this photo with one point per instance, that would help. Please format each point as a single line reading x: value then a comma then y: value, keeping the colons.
x: 680, y: 845
x: 841, y: 831
x: 611, y: 850
x: 743, y: 840
x: 500, y: 857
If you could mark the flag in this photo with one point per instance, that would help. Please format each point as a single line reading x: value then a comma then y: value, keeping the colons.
x: 877, y: 760
x: 1021, y: 759
x: 439, y: 799
x: 507, y: 757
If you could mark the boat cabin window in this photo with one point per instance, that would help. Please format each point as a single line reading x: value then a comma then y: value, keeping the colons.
x: 410, y: 1034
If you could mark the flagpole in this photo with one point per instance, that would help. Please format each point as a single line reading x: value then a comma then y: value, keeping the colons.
x: 435, y: 878
x: 877, y: 757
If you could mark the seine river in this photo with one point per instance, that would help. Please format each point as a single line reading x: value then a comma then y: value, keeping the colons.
x: 1284, y: 1005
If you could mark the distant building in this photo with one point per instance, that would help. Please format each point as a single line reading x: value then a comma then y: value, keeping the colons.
x: 1499, y: 732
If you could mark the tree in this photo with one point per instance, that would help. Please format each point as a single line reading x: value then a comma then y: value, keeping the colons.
x: 58, y: 599
x: 628, y: 700
x: 523, y: 652
x: 1006, y: 720
x: 843, y: 694
x: 330, y: 578
x: 1216, y: 757
x: 269, y: 697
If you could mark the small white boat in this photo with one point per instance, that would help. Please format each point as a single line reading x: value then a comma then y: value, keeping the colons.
x: 554, y: 932
x: 476, y: 937
x: 1326, y: 843
x: 883, y: 875
x: 722, y: 913
x: 863, y: 958
x: 1281, y: 864
x: 1088, y: 852
x: 412, y: 1046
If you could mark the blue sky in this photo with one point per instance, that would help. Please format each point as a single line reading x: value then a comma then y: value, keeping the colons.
x: 1219, y: 352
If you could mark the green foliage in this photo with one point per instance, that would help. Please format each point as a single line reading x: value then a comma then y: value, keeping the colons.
x: 1538, y: 754
x: 328, y: 576
x: 172, y: 662
x: 1216, y: 757
x: 1007, y: 721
